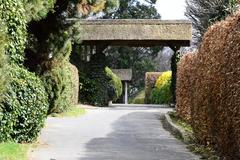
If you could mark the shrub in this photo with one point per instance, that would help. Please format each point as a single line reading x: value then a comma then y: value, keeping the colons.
x: 163, y: 79
x: 24, y: 107
x: 150, y: 81
x: 3, y: 61
x: 87, y: 89
x: 185, y: 85
x: 95, y: 82
x: 59, y: 86
x: 115, y: 82
x: 13, y: 14
x: 162, y: 95
x: 96, y: 86
x: 139, y: 99
x: 75, y: 82
x: 57, y: 78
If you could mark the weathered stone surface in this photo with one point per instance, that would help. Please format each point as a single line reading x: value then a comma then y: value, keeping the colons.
x: 136, y: 32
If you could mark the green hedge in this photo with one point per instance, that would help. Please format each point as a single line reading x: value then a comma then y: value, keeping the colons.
x: 115, y: 82
x: 24, y: 107
x: 162, y: 94
x: 59, y: 87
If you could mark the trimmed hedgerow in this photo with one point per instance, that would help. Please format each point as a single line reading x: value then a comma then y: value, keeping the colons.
x: 150, y: 81
x: 215, y: 92
x: 12, y: 12
x: 218, y: 91
x: 162, y: 94
x: 24, y: 107
x: 115, y: 82
x: 185, y: 86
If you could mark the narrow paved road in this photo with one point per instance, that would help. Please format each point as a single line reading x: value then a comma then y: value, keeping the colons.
x: 110, y: 134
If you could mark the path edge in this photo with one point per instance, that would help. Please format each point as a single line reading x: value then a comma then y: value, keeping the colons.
x: 176, y: 130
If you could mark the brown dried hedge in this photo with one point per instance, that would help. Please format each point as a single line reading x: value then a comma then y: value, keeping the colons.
x: 215, y: 94
x: 185, y: 84
x: 150, y: 80
x: 219, y: 56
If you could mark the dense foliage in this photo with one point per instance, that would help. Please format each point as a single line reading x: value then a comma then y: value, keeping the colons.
x: 162, y: 94
x: 131, y: 9
x: 115, y: 82
x: 76, y: 85
x: 24, y: 107
x: 97, y: 87
x: 185, y: 86
x: 13, y: 15
x: 203, y: 13
x: 59, y: 85
x: 3, y: 61
x: 163, y: 79
x: 38, y: 9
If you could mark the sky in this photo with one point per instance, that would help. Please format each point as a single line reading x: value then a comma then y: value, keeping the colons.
x: 171, y: 9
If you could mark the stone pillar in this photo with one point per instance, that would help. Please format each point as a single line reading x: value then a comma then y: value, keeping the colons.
x: 126, y: 93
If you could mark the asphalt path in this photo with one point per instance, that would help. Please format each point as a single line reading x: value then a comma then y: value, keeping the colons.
x: 120, y: 133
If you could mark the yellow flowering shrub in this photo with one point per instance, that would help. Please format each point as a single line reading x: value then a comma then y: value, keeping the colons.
x: 163, y: 79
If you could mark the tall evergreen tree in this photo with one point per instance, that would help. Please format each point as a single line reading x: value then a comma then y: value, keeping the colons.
x: 42, y: 34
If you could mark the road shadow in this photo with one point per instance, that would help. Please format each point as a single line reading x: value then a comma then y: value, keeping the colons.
x: 137, y: 136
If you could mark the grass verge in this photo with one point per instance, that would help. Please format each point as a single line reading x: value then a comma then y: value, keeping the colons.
x: 14, y: 151
x: 139, y: 98
x: 74, y: 111
x: 179, y: 122
x: 205, y: 152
